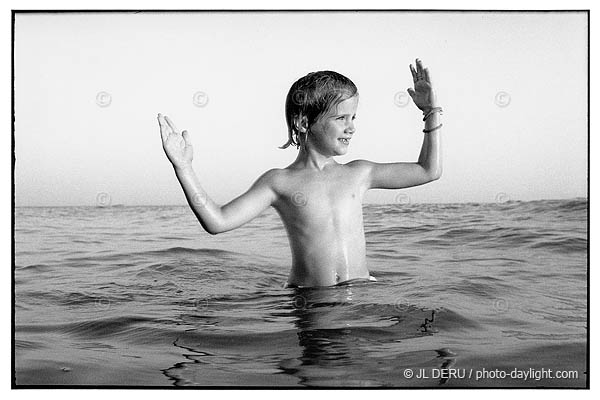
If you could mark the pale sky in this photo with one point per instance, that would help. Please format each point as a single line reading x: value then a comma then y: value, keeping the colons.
x: 88, y: 87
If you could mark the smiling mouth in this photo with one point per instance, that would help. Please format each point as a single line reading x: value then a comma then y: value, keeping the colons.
x: 345, y: 141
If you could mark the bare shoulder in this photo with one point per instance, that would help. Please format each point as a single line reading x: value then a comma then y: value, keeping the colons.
x: 361, y: 171
x: 272, y: 178
x: 270, y: 175
x: 361, y: 167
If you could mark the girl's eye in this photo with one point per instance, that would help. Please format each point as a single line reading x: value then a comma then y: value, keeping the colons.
x: 340, y: 118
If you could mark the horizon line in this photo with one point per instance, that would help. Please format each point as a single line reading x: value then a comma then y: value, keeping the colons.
x: 118, y: 205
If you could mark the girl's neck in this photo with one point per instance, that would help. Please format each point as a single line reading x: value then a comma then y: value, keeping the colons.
x: 309, y: 157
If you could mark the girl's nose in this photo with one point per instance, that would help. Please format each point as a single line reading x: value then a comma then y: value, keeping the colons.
x: 350, y: 128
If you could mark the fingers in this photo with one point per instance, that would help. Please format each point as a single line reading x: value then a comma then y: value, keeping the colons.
x: 419, y: 68
x: 171, y: 124
x: 411, y: 93
x: 418, y: 73
x: 164, y: 129
x: 426, y: 75
x: 413, y: 72
x: 186, y: 137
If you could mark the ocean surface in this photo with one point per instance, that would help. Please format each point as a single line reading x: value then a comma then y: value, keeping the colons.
x: 468, y: 295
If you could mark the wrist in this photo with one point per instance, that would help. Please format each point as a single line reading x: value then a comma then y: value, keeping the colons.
x: 183, y: 169
x: 432, y: 112
x: 432, y: 120
x: 433, y: 128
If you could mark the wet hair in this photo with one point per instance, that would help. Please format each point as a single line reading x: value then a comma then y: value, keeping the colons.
x: 313, y: 96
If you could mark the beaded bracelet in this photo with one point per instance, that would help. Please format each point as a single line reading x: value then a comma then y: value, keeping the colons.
x: 432, y: 129
x: 431, y: 112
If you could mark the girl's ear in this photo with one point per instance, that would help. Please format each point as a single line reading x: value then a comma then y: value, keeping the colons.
x: 301, y: 123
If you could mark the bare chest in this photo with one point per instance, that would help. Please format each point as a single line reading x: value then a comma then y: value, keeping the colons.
x: 323, y: 198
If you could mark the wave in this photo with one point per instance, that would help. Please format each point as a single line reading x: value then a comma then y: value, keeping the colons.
x: 135, y: 329
x: 563, y: 245
x: 172, y: 251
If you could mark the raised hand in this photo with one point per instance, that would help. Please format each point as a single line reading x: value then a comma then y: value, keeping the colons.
x: 177, y: 146
x: 423, y: 95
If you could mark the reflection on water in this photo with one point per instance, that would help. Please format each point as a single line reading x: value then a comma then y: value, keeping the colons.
x: 336, y: 350
x: 337, y: 340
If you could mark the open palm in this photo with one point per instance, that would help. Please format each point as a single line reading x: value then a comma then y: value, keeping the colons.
x: 423, y: 95
x: 177, y: 146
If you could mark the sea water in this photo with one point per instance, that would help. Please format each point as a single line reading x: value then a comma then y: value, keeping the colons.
x: 466, y: 295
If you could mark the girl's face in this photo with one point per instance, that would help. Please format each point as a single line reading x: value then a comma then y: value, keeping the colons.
x: 331, y: 134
